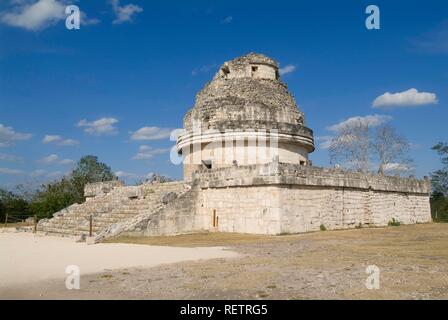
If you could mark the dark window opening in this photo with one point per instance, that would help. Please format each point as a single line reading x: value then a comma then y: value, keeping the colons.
x: 214, y: 219
x: 207, y: 163
x: 254, y: 68
x: 225, y: 70
x: 302, y: 163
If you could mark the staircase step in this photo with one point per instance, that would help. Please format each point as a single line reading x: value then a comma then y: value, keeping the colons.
x: 107, y: 210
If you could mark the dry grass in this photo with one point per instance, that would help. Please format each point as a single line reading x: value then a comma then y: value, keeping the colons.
x: 16, y: 225
x: 322, y: 265
x: 413, y: 261
x: 203, y: 239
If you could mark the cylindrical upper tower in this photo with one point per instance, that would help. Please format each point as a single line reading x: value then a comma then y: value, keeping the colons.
x: 245, y: 115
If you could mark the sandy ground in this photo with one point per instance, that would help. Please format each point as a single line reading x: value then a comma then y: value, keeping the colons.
x: 413, y: 263
x: 25, y: 258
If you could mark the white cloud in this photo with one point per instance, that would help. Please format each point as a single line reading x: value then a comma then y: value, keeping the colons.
x: 40, y: 173
x: 127, y: 175
x: 151, y: 133
x: 324, y: 142
x: 124, y: 13
x: 66, y: 161
x: 8, y: 136
x: 203, y: 69
x: 406, y: 98
x: 51, y: 138
x: 58, y: 140
x: 12, y: 172
x: 370, y: 120
x: 34, y: 16
x: 397, y: 168
x: 86, y: 21
x: 146, y: 152
x: 227, y: 20
x: 435, y: 41
x: 287, y: 69
x: 123, y: 174
x: 54, y: 159
x: 10, y: 157
x: 103, y: 126
x: 133, y: 176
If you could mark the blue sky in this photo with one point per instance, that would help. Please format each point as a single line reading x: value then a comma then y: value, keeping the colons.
x: 136, y: 64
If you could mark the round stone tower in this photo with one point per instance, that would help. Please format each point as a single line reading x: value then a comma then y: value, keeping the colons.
x: 244, y: 116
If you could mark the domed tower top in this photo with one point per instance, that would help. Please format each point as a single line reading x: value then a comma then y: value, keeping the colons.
x: 247, y: 95
x: 252, y: 65
x: 247, y: 92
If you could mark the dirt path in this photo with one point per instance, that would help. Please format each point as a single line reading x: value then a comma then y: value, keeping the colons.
x: 413, y: 262
x: 26, y: 258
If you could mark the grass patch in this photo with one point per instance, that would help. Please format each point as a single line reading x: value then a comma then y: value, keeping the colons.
x: 16, y: 225
x: 204, y: 239
x: 222, y: 239
x: 262, y: 294
x: 393, y: 223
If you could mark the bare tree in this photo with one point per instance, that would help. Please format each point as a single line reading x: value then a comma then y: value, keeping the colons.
x: 154, y: 177
x: 362, y: 147
x: 391, y: 150
x: 351, y: 145
x: 439, y: 178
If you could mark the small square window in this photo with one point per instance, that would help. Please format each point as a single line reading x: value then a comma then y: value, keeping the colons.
x: 207, y: 163
x: 225, y: 70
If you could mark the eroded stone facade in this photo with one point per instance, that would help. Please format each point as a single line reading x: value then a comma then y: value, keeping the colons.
x: 279, y: 198
x: 245, y: 106
x: 241, y: 186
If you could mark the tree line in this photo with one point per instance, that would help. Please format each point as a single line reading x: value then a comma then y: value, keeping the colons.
x: 54, y: 196
x: 439, y: 183
x: 356, y: 145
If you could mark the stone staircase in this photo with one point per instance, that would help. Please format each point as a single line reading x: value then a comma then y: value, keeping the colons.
x: 108, y: 206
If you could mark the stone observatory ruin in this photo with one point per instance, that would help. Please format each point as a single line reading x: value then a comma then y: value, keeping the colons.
x: 244, y: 116
x: 245, y: 149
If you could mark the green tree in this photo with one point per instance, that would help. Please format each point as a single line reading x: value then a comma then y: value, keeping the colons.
x: 439, y: 183
x: 70, y: 189
x: 89, y: 170
x: 439, y: 178
x: 3, y: 196
x: 12, y: 204
x: 54, y: 197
